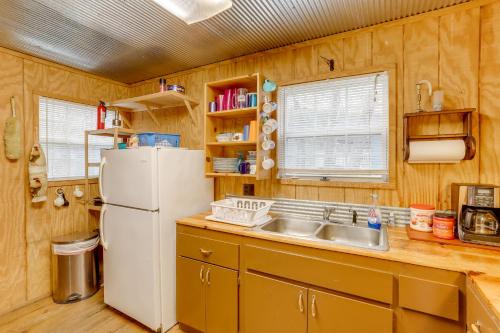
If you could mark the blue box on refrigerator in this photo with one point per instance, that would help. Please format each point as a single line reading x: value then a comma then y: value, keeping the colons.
x: 153, y: 139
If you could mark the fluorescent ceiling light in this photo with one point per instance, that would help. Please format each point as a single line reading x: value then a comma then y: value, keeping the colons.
x: 192, y: 11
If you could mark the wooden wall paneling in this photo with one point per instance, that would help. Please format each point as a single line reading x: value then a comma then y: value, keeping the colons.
x: 304, y: 64
x: 334, y: 194
x: 421, y: 61
x: 489, y: 83
x: 306, y: 192
x: 458, y: 76
x: 358, y: 51
x: 388, y: 49
x: 12, y: 213
x: 330, y: 49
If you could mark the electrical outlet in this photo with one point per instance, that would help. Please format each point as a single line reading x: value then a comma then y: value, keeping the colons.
x: 248, y: 189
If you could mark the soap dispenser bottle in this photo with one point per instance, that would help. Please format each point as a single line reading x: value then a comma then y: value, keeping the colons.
x: 374, y: 214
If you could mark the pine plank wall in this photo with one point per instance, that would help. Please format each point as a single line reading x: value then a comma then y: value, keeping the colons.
x: 457, y: 49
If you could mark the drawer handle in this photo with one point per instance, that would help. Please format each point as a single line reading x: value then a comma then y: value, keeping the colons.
x: 301, y: 301
x: 313, y: 306
x: 205, y: 253
x: 475, y: 328
x: 202, y: 279
x: 207, y: 276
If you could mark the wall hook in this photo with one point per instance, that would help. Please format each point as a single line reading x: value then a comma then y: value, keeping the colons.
x: 329, y: 62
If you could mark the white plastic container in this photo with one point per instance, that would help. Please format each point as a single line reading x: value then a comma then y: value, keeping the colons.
x: 246, y: 212
x: 421, y: 217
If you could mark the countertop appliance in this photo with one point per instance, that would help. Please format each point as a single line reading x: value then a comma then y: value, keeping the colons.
x: 144, y: 191
x: 478, y: 212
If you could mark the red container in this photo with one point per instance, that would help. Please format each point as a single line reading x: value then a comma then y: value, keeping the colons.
x: 443, y: 226
x: 101, y: 115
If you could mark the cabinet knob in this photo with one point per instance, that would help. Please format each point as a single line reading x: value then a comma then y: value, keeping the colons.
x: 205, y: 253
x: 301, y: 301
x: 313, y: 306
x: 202, y: 279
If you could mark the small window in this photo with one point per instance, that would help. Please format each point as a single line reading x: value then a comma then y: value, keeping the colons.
x: 335, y: 129
x: 62, y: 127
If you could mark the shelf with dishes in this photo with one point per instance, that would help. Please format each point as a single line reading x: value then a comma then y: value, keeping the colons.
x: 232, y: 117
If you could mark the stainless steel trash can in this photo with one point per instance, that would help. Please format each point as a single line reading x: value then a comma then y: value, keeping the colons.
x: 75, y: 267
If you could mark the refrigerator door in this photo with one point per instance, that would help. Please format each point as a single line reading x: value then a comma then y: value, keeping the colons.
x: 130, y: 238
x: 183, y: 190
x: 128, y: 177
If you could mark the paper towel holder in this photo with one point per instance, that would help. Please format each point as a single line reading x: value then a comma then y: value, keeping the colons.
x: 470, y: 141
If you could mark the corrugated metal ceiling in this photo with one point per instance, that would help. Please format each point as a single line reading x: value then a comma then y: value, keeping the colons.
x: 132, y: 40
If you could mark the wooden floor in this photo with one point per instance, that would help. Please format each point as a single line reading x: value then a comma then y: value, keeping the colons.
x: 90, y: 315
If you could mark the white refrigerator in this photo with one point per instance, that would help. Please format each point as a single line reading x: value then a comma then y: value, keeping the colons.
x: 144, y: 191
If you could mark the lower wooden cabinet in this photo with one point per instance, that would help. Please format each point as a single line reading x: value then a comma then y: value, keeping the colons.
x: 207, y: 296
x: 334, y: 313
x: 271, y: 305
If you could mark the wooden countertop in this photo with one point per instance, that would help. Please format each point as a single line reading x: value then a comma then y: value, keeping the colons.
x: 482, y: 266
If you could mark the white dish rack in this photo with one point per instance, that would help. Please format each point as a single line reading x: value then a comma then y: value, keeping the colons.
x: 246, y: 212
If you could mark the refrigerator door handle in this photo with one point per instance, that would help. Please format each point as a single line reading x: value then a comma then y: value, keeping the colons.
x: 101, y: 228
x: 101, y: 169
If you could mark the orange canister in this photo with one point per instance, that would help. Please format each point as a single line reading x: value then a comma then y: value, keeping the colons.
x: 443, y: 225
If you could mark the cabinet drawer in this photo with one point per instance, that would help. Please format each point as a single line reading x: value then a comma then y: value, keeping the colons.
x: 479, y: 315
x: 430, y: 297
x: 354, y: 280
x: 208, y: 250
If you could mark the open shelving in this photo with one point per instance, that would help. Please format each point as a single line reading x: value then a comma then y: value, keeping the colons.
x: 233, y: 121
x: 153, y: 102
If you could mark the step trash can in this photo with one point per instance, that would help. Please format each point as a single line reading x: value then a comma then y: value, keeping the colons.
x: 75, y: 267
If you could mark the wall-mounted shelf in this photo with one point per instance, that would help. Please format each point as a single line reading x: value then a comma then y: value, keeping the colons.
x: 466, y: 114
x: 233, y: 121
x: 153, y: 102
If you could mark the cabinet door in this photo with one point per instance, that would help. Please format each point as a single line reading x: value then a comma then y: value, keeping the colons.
x: 333, y: 313
x: 222, y: 300
x: 271, y: 305
x: 191, y: 292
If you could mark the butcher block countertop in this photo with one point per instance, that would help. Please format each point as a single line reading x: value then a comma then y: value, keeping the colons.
x: 482, y: 266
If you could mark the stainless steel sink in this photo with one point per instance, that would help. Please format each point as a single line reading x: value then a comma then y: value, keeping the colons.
x: 292, y: 227
x: 328, y: 232
x: 352, y: 235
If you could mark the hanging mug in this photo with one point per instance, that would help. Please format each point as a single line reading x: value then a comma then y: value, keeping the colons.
x: 267, y: 163
x: 60, y: 200
x: 269, y: 126
x: 269, y: 107
x: 268, y: 144
x: 269, y: 86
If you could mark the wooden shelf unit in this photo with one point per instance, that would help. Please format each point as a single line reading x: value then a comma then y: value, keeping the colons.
x: 153, y: 102
x: 116, y: 133
x: 466, y: 114
x: 233, y: 121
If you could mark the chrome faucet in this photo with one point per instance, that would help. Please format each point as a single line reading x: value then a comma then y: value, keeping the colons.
x: 327, y: 212
x: 354, y: 216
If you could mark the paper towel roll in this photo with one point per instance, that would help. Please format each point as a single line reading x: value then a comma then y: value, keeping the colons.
x: 437, y: 151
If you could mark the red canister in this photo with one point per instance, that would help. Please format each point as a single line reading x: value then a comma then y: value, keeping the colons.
x: 443, y: 226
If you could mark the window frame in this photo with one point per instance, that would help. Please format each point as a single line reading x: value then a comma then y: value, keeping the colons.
x: 36, y: 94
x: 391, y: 182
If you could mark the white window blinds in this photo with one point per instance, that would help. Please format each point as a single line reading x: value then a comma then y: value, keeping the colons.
x: 61, y: 133
x: 335, y: 129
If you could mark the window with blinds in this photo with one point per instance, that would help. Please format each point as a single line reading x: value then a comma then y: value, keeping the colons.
x: 61, y: 133
x: 335, y: 129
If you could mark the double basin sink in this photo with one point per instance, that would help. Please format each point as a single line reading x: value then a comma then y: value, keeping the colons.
x: 330, y: 232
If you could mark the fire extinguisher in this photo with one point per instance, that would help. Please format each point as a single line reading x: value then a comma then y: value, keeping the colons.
x: 101, y: 115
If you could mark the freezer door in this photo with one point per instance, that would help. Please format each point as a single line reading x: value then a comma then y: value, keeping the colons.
x: 128, y: 177
x: 184, y: 190
x: 130, y: 239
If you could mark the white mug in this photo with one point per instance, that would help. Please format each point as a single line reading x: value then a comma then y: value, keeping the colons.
x: 268, y: 144
x: 269, y: 107
x: 270, y: 126
x: 77, y: 192
x: 59, y: 201
x: 268, y: 163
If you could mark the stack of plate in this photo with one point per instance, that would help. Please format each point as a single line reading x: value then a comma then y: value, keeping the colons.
x: 223, y: 164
